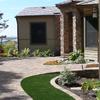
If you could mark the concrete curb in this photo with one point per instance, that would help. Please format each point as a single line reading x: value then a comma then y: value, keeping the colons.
x: 76, y: 97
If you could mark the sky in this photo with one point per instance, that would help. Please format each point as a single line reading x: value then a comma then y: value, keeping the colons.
x: 11, y: 8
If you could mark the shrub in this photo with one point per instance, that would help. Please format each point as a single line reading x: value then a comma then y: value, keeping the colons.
x: 13, y: 52
x: 47, y: 53
x: 25, y: 52
x: 9, y: 45
x: 42, y: 53
x: 98, y: 95
x: 90, y: 85
x: 67, y: 77
x: 1, y: 50
x: 76, y: 57
x: 37, y: 53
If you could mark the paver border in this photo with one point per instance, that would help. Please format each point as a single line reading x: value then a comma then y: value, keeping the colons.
x: 53, y: 83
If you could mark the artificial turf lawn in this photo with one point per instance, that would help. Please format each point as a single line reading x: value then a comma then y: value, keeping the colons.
x: 39, y: 88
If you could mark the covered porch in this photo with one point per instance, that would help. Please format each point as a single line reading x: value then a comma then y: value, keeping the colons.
x: 79, y: 28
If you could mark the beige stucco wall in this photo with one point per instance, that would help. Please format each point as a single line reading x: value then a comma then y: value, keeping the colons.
x: 23, y: 26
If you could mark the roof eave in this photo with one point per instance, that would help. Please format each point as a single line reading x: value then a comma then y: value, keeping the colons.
x: 35, y: 15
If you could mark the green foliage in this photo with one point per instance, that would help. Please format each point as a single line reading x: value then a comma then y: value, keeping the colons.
x: 90, y: 84
x: 13, y: 52
x: 76, y: 57
x: 37, y: 53
x: 67, y: 77
x: 42, y: 53
x: 9, y: 45
x: 25, y: 52
x: 47, y: 53
x: 98, y: 95
x: 1, y: 49
x: 39, y: 88
x: 3, y: 23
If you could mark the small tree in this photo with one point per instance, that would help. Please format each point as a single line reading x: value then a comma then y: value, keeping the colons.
x: 3, y: 24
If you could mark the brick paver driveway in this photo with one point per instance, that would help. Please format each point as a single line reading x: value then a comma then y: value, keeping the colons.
x: 13, y: 71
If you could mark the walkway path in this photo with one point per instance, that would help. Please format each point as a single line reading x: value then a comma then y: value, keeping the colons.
x: 13, y: 71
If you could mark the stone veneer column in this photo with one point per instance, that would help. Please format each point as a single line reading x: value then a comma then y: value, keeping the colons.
x: 74, y: 32
x: 77, y: 31
x: 62, y: 34
x: 65, y: 33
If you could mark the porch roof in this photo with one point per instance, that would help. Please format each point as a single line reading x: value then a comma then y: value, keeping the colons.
x: 88, y: 2
x: 68, y: 2
x: 39, y: 11
x: 79, y: 2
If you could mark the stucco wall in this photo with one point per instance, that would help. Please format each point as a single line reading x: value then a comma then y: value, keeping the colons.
x: 23, y: 25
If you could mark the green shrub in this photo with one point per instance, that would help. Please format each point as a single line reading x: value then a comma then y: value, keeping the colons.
x: 90, y: 84
x: 47, y: 53
x: 76, y: 57
x: 1, y: 50
x: 37, y: 53
x: 25, y: 52
x: 13, y: 52
x: 9, y: 45
x: 42, y: 53
x: 98, y: 95
x: 66, y: 77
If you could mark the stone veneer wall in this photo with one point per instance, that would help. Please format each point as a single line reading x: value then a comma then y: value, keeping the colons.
x: 65, y: 30
x: 77, y: 31
x: 62, y: 34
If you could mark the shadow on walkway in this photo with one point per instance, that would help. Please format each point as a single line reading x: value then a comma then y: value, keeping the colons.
x: 5, y: 79
x: 21, y: 97
x: 1, y: 63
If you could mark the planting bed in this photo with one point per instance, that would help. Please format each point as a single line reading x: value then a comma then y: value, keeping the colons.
x: 83, y: 76
x: 76, y: 88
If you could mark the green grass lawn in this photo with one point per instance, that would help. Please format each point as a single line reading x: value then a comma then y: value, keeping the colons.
x: 39, y: 88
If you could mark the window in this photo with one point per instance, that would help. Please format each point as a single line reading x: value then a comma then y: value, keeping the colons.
x: 91, y: 31
x: 38, y: 33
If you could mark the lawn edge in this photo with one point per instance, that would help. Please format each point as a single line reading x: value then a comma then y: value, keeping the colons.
x: 53, y: 83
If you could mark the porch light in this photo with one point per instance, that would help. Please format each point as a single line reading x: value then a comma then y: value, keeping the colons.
x: 95, y: 12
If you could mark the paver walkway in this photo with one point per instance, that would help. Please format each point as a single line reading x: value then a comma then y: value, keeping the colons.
x: 13, y: 71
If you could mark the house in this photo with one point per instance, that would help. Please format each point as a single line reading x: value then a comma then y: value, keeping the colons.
x: 39, y: 27
x: 72, y: 25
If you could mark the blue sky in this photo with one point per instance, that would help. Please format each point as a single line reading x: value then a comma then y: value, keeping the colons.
x: 12, y: 7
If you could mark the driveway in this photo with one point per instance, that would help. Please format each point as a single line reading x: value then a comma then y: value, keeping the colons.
x: 13, y: 71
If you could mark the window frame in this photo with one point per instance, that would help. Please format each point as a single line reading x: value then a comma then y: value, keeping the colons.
x: 31, y: 42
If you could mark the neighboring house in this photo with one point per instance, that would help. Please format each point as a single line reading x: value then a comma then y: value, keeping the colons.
x: 71, y: 27
x: 39, y: 27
